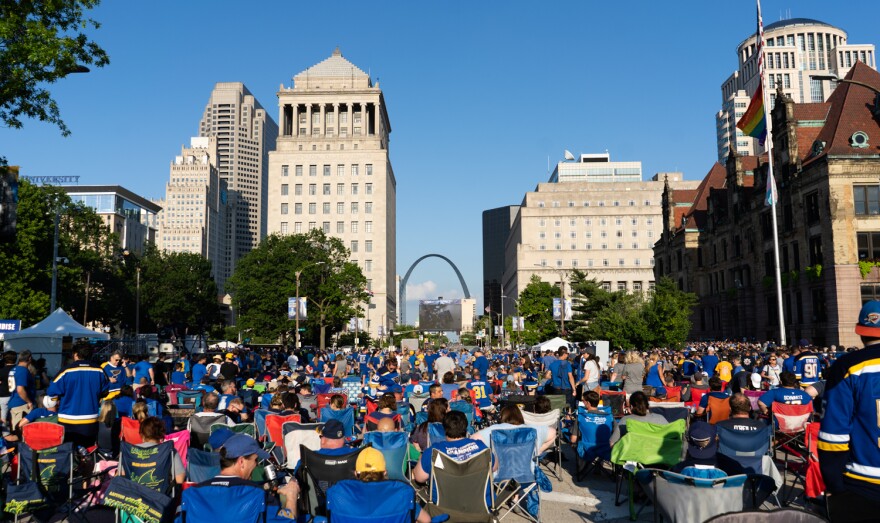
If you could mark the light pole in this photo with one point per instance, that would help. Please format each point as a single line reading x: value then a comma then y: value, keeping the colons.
x: 137, y: 303
x: 298, y: 274
x: 54, y: 261
x: 501, y: 320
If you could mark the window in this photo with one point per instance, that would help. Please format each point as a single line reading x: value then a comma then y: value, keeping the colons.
x: 368, y: 188
x: 285, y: 189
x: 866, y: 199
x: 816, y: 250
x: 620, y: 262
x: 340, y: 208
x: 620, y: 246
x: 340, y: 227
x: 637, y: 286
x: 325, y: 207
x: 354, y: 227
x: 542, y: 222
x: 325, y: 226
x: 299, y: 170
x: 541, y: 204
x: 368, y: 227
x: 368, y: 265
x: 354, y: 170
x: 368, y: 245
x: 285, y: 171
x: 369, y: 169
x: 589, y: 246
x: 284, y: 208
x: 368, y: 207
x: 326, y: 189
x: 298, y: 208
x: 606, y: 285
x: 557, y: 235
x: 870, y: 292
x: 811, y: 207
x: 313, y: 208
x: 313, y: 170
x: 616, y: 203
x: 571, y: 204
x: 298, y: 189
x: 621, y: 286
x: 340, y: 189
x: 340, y: 170
x: 605, y: 264
x: 354, y: 246
x: 297, y: 227
x: 283, y: 227
x: 354, y: 207
x: 313, y: 189
x: 869, y: 245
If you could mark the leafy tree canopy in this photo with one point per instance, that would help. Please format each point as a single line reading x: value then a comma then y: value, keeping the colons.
x: 536, y: 306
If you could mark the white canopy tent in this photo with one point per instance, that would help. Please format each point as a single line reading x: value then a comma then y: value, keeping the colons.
x: 45, y: 338
x: 224, y: 345
x: 552, y: 344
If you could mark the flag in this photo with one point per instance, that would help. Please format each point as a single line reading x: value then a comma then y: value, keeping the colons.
x: 754, y: 122
x: 488, y: 309
x: 772, y: 197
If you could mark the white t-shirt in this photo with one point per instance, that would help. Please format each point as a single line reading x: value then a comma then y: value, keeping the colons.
x: 591, y: 371
x: 773, y: 373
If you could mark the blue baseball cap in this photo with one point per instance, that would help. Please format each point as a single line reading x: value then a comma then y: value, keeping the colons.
x: 869, y: 320
x: 243, y: 445
x: 333, y: 429
x: 219, y: 437
x: 396, y: 389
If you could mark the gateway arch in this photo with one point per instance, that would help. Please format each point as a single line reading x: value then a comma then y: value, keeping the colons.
x: 403, y: 282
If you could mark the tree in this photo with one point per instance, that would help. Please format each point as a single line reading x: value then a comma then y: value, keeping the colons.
x: 667, y: 314
x: 536, y: 306
x: 266, y: 278
x: 177, y: 290
x: 40, y: 43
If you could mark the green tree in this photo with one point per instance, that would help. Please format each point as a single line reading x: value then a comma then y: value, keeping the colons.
x: 536, y: 306
x: 177, y: 290
x: 40, y: 43
x: 266, y: 278
x: 667, y: 314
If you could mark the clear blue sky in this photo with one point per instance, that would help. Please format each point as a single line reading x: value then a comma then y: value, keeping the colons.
x: 479, y: 94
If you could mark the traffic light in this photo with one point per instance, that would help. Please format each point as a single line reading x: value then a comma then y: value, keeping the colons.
x: 391, y: 333
x: 8, y: 202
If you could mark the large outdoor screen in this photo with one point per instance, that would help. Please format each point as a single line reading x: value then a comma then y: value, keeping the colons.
x: 440, y: 315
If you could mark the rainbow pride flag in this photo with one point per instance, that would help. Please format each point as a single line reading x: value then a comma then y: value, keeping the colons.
x: 754, y: 122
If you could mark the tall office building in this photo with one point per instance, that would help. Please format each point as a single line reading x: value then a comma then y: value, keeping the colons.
x: 194, y: 212
x: 594, y: 215
x: 800, y: 55
x: 496, y: 228
x: 245, y: 134
x: 331, y: 170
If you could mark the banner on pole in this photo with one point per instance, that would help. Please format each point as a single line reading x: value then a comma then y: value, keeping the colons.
x: 293, y: 310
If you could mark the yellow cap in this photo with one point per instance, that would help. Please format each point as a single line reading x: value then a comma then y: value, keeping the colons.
x: 229, y: 356
x: 370, y: 460
x: 250, y: 382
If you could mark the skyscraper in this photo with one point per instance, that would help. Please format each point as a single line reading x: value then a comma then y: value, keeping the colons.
x: 331, y: 170
x: 800, y: 54
x: 245, y: 134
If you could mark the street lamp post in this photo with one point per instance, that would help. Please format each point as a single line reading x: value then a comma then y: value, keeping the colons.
x: 137, y: 303
x: 55, y: 261
x: 298, y: 274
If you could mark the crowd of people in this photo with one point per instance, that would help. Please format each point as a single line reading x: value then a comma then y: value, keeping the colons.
x: 469, y: 392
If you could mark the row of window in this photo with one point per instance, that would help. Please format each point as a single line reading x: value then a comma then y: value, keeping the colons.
x: 353, y: 227
x: 572, y: 222
x: 326, y: 189
x: 325, y: 208
x: 604, y: 262
x: 600, y: 203
x: 602, y: 246
x: 340, y: 170
x: 589, y: 234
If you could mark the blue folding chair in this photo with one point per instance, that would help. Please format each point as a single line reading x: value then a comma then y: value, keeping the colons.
x: 201, y: 465
x: 436, y: 432
x: 515, y: 451
x: 260, y: 422
x: 392, y: 445
x: 244, y: 503
x: 741, y: 452
x: 345, y: 416
x: 406, y: 416
x: 190, y: 398
x: 469, y: 412
x: 421, y: 417
x: 353, y: 501
x: 594, y: 435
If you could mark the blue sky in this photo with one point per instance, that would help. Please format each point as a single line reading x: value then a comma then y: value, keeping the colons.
x: 479, y: 94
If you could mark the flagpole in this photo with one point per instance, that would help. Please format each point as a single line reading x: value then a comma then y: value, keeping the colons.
x: 771, y: 182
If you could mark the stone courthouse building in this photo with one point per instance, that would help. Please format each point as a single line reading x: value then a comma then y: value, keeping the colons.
x: 717, y: 240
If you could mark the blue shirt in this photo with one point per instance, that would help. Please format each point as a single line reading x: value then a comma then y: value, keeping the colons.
x: 560, y: 370
x: 142, y: 370
x: 178, y: 378
x: 785, y: 395
x: 198, y: 372
x: 113, y: 371
x: 482, y: 364
x: 123, y: 406
x: 807, y: 367
x: 710, y: 361
x: 38, y: 413
x: 21, y: 377
x: 481, y: 393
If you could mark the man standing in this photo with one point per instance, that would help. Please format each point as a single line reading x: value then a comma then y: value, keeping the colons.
x: 848, y: 452
x: 23, y: 387
x: 444, y: 364
x: 562, y: 379
x: 79, y: 388
x: 481, y: 364
x: 116, y: 373
x: 199, y: 369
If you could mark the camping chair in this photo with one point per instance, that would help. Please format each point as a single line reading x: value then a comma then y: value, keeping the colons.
x: 459, y: 488
x: 741, y: 452
x: 421, y: 417
x: 557, y: 402
x: 190, y: 399
x: 200, y: 428
x: 717, y: 409
x: 754, y: 396
x: 436, y: 432
x: 469, y: 412
x: 394, y: 446
x: 594, y: 434
x: 244, y: 503
x: 148, y: 466
x: 353, y: 501
x: 318, y: 473
x: 130, y: 429
x: 44, y: 482
x: 417, y: 400
x: 180, y: 439
x: 135, y: 502
x: 352, y: 386
x: 805, y: 467
x: 202, y: 465
x: 679, y: 498
x: 344, y: 416
x: 645, y: 444
x: 790, y: 422
x: 551, y: 420
x: 671, y: 411
x: 238, y: 428
x: 250, y: 397
x: 171, y: 391
x: 274, y: 427
x: 260, y: 422
x: 323, y: 400
x: 616, y: 399
x: 673, y: 394
x: 297, y: 434
x: 41, y: 435
x: 696, y: 396
x: 789, y: 515
x: 517, y: 457
x: 406, y: 416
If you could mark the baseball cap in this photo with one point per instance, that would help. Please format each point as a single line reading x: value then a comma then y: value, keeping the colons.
x: 370, y: 460
x: 250, y: 382
x: 418, y: 389
x: 701, y: 440
x: 333, y: 429
x: 229, y: 356
x: 756, y: 381
x: 869, y: 320
x: 240, y: 445
x: 219, y: 437
x: 49, y: 402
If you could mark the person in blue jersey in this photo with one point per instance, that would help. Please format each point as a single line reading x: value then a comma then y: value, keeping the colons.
x: 710, y: 361
x: 807, y: 367
x: 482, y: 393
x: 178, y: 375
x: 690, y: 366
x: 117, y: 373
x: 143, y: 369
x: 23, y: 387
x: 199, y: 369
x: 79, y: 389
x: 788, y: 392
x: 363, y: 359
x: 561, y: 376
x: 387, y: 374
x: 481, y: 364
x: 715, y: 386
x: 849, y: 454
x: 430, y: 358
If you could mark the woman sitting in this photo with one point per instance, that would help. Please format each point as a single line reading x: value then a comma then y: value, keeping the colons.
x: 638, y: 405
x: 387, y: 408
x: 152, y: 433
x: 512, y: 418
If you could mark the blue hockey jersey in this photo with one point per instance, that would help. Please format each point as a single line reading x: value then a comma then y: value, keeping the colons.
x: 79, y: 389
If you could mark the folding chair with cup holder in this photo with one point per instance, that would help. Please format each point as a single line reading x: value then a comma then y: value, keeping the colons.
x: 200, y: 428
x: 593, y: 445
x: 274, y: 427
x: 319, y: 472
x: 464, y: 489
x: 353, y: 501
x: 149, y: 466
x: 190, y: 399
x: 551, y: 420
x: 344, y: 416
x: 44, y: 482
x: 201, y: 465
x: 41, y: 435
x: 297, y: 435
x: 516, y: 453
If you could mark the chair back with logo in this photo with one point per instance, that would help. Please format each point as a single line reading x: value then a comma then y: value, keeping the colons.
x: 387, y: 501
x: 244, y: 503
x: 344, y: 416
x: 459, y: 487
x: 594, y: 436
x: 180, y: 439
x: 296, y: 434
x: 202, y: 465
x: 319, y: 472
x: 718, y: 409
x: 791, y: 419
x: 171, y: 391
x: 135, y: 502
x: 190, y: 399
x: 200, y: 428
x: 148, y: 466
x: 50, y: 468
x: 131, y: 430
x: 393, y: 446
x: 40, y: 435
x: 743, y: 451
x: 682, y: 498
x: 275, y: 424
